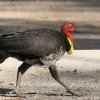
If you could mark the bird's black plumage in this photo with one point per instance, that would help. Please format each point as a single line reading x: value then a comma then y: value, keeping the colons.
x: 38, y: 42
x: 37, y: 46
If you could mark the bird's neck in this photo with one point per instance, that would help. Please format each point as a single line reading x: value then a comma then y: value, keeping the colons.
x: 69, y: 36
x: 70, y: 40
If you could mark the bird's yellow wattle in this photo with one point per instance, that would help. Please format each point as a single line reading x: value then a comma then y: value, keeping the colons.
x: 71, y: 48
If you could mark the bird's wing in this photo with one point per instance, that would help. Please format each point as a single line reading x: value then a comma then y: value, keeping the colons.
x: 38, y: 42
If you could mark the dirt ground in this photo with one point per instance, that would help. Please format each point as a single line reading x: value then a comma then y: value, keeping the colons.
x: 37, y: 83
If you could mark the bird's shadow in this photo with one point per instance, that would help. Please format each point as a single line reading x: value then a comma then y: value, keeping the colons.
x: 48, y: 94
x: 4, y: 91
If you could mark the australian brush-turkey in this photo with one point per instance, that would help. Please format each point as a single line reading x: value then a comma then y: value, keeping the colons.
x: 38, y: 46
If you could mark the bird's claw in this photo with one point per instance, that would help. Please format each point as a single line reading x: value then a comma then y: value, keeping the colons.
x: 74, y: 94
x: 78, y: 95
x: 13, y: 93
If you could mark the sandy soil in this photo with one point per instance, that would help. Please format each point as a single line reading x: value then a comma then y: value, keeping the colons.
x: 79, y: 71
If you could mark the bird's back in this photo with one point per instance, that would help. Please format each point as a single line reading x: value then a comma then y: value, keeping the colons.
x: 39, y: 42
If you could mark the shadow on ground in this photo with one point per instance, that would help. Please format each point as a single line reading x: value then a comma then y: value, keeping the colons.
x: 4, y: 91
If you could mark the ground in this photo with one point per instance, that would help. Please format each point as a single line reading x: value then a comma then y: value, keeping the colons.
x: 37, y: 83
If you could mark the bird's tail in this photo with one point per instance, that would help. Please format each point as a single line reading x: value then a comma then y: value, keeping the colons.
x: 3, y: 56
x: 3, y: 53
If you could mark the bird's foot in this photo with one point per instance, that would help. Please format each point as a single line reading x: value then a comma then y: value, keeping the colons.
x: 74, y: 94
x: 13, y: 93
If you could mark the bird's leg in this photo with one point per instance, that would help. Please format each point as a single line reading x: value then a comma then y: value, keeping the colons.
x: 21, y: 70
x: 55, y: 75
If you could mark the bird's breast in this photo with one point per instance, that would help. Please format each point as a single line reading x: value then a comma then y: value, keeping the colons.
x: 52, y: 58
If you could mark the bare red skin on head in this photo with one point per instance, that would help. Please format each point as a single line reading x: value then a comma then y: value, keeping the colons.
x: 67, y: 28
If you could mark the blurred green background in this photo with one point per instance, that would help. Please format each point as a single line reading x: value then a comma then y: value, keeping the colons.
x: 19, y: 15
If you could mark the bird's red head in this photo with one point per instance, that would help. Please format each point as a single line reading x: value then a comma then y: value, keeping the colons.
x: 66, y: 29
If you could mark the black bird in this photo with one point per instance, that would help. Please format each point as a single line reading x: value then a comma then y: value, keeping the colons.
x: 38, y: 46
